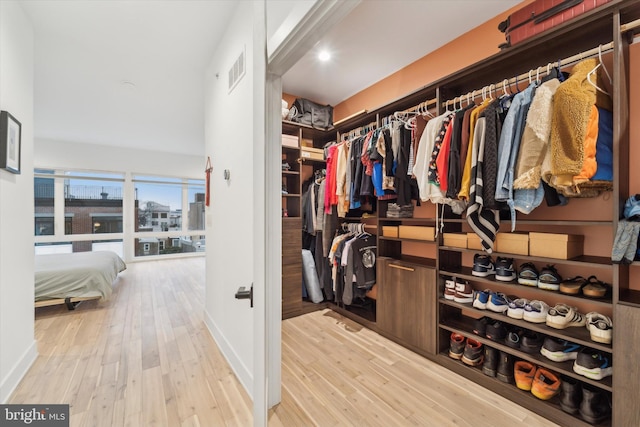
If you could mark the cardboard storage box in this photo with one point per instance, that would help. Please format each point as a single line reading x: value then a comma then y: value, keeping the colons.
x: 513, y: 243
x: 551, y: 245
x: 416, y: 232
x: 312, y: 153
x: 306, y: 142
x: 390, y: 230
x: 456, y: 240
x: 473, y: 242
x: 290, y: 141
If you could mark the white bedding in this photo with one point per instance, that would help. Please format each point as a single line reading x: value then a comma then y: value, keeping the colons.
x: 80, y: 274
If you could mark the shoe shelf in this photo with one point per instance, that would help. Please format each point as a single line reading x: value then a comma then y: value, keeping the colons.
x: 563, y: 223
x: 564, y: 368
x: 422, y: 221
x: 401, y: 239
x: 512, y: 288
x: 594, y: 261
x: 578, y: 335
x: 550, y: 409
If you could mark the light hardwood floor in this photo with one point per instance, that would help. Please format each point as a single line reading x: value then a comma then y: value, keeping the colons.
x: 145, y: 358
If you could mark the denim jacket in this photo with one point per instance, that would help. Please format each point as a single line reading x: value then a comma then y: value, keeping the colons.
x: 509, y: 145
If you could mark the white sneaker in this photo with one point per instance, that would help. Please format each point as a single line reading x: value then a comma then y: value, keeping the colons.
x: 600, y: 327
x: 563, y: 316
x: 449, y: 289
x: 516, y: 308
x: 536, y: 311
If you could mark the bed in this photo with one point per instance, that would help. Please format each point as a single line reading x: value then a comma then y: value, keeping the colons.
x: 74, y: 277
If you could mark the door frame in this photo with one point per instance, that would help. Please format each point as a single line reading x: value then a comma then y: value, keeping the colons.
x: 323, y: 15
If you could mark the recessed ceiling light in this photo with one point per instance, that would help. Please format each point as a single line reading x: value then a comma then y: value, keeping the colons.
x: 324, y: 55
x: 128, y: 84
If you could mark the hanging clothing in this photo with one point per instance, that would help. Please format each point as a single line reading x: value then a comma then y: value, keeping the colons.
x: 535, y: 138
x: 509, y: 145
x: 484, y: 222
x: 570, y: 116
x: 465, y: 185
x: 437, y: 146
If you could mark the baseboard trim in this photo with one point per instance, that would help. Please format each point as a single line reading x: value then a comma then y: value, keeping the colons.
x: 242, y: 373
x: 19, y: 370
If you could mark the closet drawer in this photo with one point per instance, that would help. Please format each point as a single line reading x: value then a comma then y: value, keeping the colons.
x: 407, y: 303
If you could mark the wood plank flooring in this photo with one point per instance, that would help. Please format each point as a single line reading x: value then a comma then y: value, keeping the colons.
x: 145, y: 358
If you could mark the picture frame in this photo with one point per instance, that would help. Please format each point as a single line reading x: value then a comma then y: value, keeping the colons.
x: 10, y: 142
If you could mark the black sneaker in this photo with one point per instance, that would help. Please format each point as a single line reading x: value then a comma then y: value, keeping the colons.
x: 514, y: 338
x: 531, y: 341
x: 549, y: 278
x: 473, y: 353
x: 559, y: 350
x: 456, y: 346
x: 482, y: 265
x: 593, y: 364
x: 480, y: 326
x: 496, y: 331
x: 505, y: 271
x: 528, y: 274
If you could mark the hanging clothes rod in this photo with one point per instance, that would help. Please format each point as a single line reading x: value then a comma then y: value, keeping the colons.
x: 530, y: 75
x: 630, y: 26
x: 426, y: 104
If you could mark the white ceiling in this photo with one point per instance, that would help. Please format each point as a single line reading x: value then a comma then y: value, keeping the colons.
x: 85, y: 50
x: 380, y: 37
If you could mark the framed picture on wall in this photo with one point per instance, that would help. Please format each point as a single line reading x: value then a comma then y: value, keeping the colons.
x: 10, y: 133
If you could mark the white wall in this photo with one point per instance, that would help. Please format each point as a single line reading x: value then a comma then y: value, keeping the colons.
x: 17, y: 344
x: 282, y: 17
x: 231, y: 126
x: 62, y: 154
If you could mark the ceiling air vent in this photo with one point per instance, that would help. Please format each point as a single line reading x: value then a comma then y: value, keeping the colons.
x: 236, y: 72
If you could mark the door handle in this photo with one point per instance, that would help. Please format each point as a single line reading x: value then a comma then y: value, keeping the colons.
x: 401, y: 267
x: 243, y: 293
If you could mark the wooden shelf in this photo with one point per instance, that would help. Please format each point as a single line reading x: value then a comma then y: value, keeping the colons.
x: 577, y: 335
x: 563, y: 223
x: 595, y: 261
x: 292, y: 173
x: 514, y: 286
x: 564, y: 368
x: 408, y: 220
x: 547, y: 408
x: 397, y: 239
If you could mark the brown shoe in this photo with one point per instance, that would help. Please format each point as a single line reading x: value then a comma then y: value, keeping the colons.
x: 595, y: 288
x: 572, y: 286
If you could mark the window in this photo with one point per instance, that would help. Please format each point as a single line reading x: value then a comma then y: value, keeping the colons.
x: 93, y: 203
x: 156, y: 198
x: 105, y: 223
x: 43, y: 192
x: 196, y: 205
x: 88, y: 195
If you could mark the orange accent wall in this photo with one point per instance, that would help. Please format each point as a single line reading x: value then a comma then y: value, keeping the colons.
x: 469, y: 48
x: 289, y: 98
